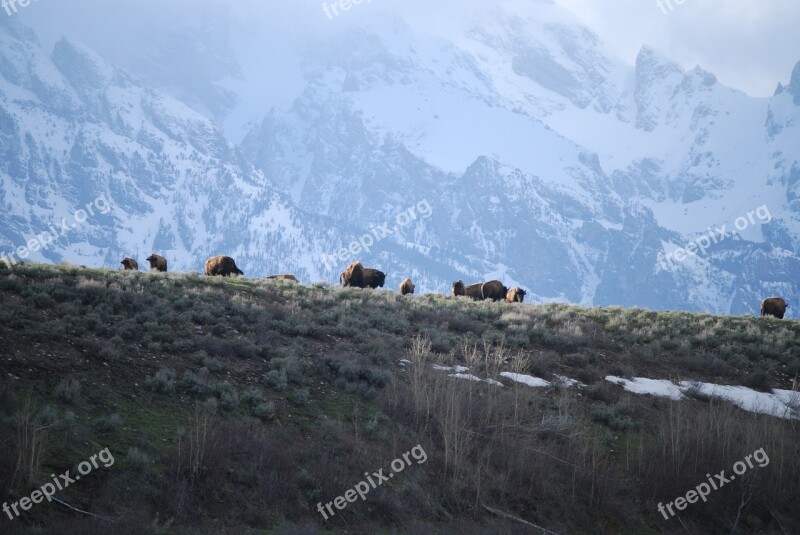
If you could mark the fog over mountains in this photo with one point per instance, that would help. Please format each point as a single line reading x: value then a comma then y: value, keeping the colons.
x: 278, y: 136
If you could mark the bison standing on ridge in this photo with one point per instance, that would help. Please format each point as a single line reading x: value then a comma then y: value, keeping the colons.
x: 353, y: 275
x: 374, y: 278
x: 515, y: 295
x: 286, y: 277
x: 130, y: 264
x: 494, y: 290
x: 223, y: 266
x: 406, y: 287
x: 774, y: 306
x: 473, y: 290
x: 479, y: 291
x: 157, y: 263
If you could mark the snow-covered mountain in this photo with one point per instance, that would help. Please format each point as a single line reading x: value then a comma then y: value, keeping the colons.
x: 545, y: 161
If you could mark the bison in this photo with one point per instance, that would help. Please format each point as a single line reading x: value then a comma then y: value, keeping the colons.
x: 407, y: 287
x: 223, y: 266
x: 130, y: 263
x: 515, y: 295
x: 374, y: 278
x: 353, y: 275
x: 473, y: 290
x: 494, y: 290
x: 157, y: 262
x: 774, y: 306
x: 285, y: 277
x: 479, y: 291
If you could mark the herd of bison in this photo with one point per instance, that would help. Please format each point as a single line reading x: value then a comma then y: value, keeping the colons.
x: 358, y: 276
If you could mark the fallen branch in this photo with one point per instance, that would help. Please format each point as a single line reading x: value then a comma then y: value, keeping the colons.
x: 517, y: 519
x: 778, y: 521
x: 555, y: 458
x: 68, y: 506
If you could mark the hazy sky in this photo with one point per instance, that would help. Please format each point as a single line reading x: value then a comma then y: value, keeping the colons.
x: 749, y: 44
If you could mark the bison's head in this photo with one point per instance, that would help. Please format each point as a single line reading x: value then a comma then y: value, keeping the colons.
x: 458, y: 288
x: 152, y: 259
x: 515, y: 295
x: 380, y: 278
x: 127, y: 263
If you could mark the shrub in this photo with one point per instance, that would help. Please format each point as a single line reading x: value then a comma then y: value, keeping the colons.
x: 163, y: 381
x: 43, y: 301
x: 543, y: 363
x: 601, y: 392
x: 265, y: 411
x: 362, y: 389
x: 277, y: 379
x: 291, y: 366
x: 48, y: 415
x: 758, y: 380
x: 213, y: 364
x: 106, y: 424
x: 615, y: 416
x: 195, y: 383
x: 300, y: 396
x: 251, y: 396
x: 68, y: 390
x: 228, y: 397
x: 137, y: 460
x: 355, y: 373
x: 110, y: 353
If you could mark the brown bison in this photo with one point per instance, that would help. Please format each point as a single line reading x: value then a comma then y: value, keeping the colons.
x: 473, y: 290
x: 774, y: 306
x: 407, y: 287
x: 515, y: 295
x: 493, y: 290
x: 157, y: 262
x: 223, y: 266
x: 286, y: 277
x: 374, y: 278
x: 353, y: 275
x: 130, y: 263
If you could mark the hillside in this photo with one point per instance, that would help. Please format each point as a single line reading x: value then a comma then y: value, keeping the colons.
x: 239, y: 405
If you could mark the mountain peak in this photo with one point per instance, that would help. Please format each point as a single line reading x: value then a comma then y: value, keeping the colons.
x: 794, y: 84
x: 649, y: 57
x: 81, y: 65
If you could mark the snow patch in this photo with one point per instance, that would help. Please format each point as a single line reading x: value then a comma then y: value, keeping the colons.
x: 780, y: 403
x: 456, y: 369
x: 529, y: 380
x: 655, y: 387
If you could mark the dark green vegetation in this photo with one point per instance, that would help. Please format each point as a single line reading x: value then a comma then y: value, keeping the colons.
x: 234, y: 405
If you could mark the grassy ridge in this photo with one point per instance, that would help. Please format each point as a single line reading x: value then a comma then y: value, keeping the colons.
x: 236, y: 404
